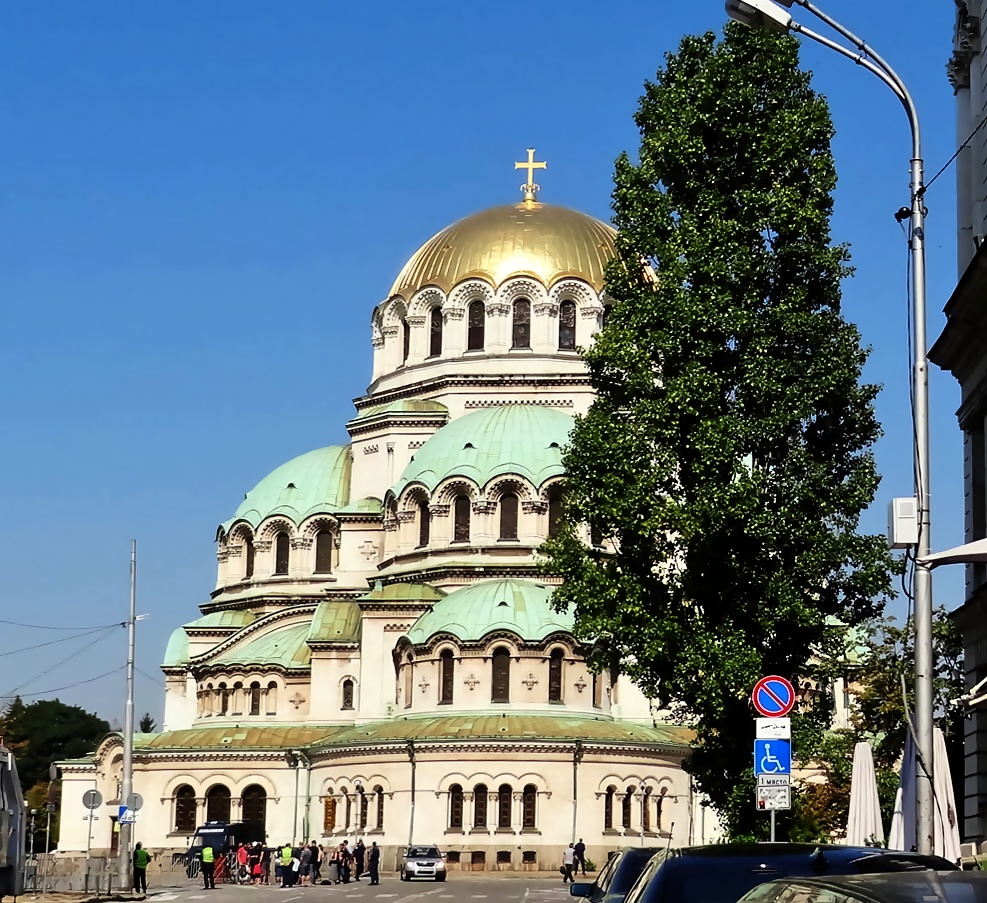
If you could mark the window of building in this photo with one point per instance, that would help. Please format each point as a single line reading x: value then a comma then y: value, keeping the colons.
x: 447, y: 669
x: 424, y: 523
x: 435, y: 332
x: 255, y: 698
x: 521, y: 326
x: 253, y: 805
x: 379, y: 797
x: 608, y: 808
x: 480, y: 806
x: 476, y: 317
x: 329, y: 815
x: 554, y: 510
x: 505, y: 795
x: 248, y: 556
x: 348, y: 810
x: 224, y: 699
x: 607, y: 310
x: 218, y: 803
x: 347, y: 694
x: 323, y: 552
x: 555, y: 676
x: 282, y: 546
x: 646, y: 811
x: 409, y: 679
x: 405, y: 341
x: 364, y: 809
x: 455, y: 807
x: 461, y: 519
x: 272, y: 698
x: 529, y: 801
x: 567, y: 326
x: 501, y: 668
x: 625, y: 808
x: 185, y: 810
x: 508, y: 516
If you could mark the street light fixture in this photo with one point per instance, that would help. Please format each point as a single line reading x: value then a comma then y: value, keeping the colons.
x: 772, y: 15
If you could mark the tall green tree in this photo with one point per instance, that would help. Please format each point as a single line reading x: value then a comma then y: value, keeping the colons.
x: 727, y: 456
x: 147, y: 724
x: 46, y: 731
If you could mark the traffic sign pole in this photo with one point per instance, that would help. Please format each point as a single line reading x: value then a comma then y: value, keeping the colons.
x: 773, y: 697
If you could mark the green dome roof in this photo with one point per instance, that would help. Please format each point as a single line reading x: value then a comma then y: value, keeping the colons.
x: 318, y: 481
x: 469, y: 614
x: 523, y: 439
x: 177, y: 650
x: 285, y: 646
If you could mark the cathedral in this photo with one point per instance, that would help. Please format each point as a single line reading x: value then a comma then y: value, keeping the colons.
x: 380, y: 657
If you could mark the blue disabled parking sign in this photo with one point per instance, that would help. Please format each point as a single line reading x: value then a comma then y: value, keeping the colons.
x: 772, y: 757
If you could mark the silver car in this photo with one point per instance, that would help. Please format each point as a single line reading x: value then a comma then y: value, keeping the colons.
x: 423, y: 862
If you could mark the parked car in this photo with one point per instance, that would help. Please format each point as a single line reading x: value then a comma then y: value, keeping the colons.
x: 723, y: 873
x: 902, y: 887
x: 423, y: 862
x: 617, y: 877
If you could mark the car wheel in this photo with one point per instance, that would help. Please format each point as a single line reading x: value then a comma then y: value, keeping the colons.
x: 440, y: 877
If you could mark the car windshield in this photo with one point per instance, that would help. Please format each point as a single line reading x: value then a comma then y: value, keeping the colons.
x: 423, y: 853
x: 911, y: 887
x: 632, y: 863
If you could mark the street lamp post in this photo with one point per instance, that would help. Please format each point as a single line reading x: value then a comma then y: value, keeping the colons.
x: 774, y: 16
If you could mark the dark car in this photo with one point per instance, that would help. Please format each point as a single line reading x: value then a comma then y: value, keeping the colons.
x: 617, y: 877
x: 723, y: 873
x: 901, y: 887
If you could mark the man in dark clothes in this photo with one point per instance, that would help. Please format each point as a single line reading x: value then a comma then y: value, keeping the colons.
x: 208, y: 858
x: 580, y: 849
x: 359, y: 853
x: 374, y: 863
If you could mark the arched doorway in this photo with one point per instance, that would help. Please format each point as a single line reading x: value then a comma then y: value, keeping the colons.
x: 253, y: 803
x: 218, y: 803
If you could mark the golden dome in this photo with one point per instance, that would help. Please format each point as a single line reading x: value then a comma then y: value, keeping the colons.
x: 546, y: 242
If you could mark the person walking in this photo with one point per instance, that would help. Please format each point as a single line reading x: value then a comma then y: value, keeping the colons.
x: 580, y: 850
x: 373, y: 862
x: 141, y: 860
x: 568, y: 858
x: 345, y: 861
x: 208, y: 860
x: 359, y: 854
x: 305, y: 865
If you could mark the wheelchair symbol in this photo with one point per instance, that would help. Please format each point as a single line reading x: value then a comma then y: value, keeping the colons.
x: 772, y: 757
x: 769, y: 763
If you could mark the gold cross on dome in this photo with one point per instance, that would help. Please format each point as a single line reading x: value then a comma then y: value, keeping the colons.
x: 529, y: 188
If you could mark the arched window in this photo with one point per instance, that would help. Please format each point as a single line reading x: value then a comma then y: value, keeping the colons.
x: 646, y: 811
x: 476, y: 321
x: 218, y: 803
x: 508, y: 516
x: 253, y: 804
x: 329, y: 815
x: 185, y: 810
x: 435, y: 332
x: 379, y: 796
x: 625, y: 808
x: 255, y: 698
x: 281, y: 551
x: 349, y: 807
x: 521, y: 326
x: 447, y: 672
x: 455, y: 808
x: 505, y: 794
x: 424, y: 523
x: 272, y: 698
x: 501, y: 667
x: 323, y: 552
x: 409, y: 679
x: 461, y: 519
x: 555, y: 676
x: 248, y: 558
x: 567, y: 326
x: 236, y: 695
x: 347, y: 694
x: 224, y: 699
x: 405, y: 341
x: 209, y: 701
x: 480, y: 806
x: 529, y: 800
x: 658, y: 806
x: 607, y: 309
x: 364, y: 809
x: 554, y: 510
x: 608, y: 808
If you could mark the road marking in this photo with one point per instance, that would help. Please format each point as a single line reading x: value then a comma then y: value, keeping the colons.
x: 479, y: 896
x: 164, y: 898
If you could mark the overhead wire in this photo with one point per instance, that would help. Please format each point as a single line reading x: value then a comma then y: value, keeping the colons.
x: 64, y: 639
x: 75, y: 683
x: 57, y: 627
x: 56, y: 665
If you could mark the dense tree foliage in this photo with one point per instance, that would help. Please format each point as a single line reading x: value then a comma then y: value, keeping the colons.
x: 727, y: 456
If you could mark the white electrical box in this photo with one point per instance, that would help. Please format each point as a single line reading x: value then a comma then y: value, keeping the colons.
x: 903, y: 523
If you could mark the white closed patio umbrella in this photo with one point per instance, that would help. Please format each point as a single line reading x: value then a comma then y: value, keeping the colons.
x: 946, y: 831
x: 864, y: 827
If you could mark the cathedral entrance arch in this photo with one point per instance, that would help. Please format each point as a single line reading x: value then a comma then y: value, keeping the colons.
x: 253, y: 803
x: 218, y: 803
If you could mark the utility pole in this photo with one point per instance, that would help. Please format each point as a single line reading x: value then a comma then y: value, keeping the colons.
x: 127, y: 788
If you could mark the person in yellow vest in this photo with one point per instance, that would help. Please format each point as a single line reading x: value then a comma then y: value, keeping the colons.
x: 286, y: 857
x: 141, y: 859
x: 208, y: 858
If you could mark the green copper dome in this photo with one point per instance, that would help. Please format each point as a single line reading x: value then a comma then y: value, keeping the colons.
x: 318, y: 481
x: 522, y: 439
x: 177, y: 652
x: 469, y: 614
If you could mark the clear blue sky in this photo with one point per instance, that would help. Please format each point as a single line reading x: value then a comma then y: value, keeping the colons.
x: 202, y: 203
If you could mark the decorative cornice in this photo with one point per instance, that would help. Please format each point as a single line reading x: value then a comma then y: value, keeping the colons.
x: 538, y: 402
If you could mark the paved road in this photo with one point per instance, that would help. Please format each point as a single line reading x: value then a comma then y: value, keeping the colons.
x: 458, y: 889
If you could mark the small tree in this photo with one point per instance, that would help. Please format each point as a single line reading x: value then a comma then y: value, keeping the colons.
x: 727, y: 456
x: 147, y: 724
